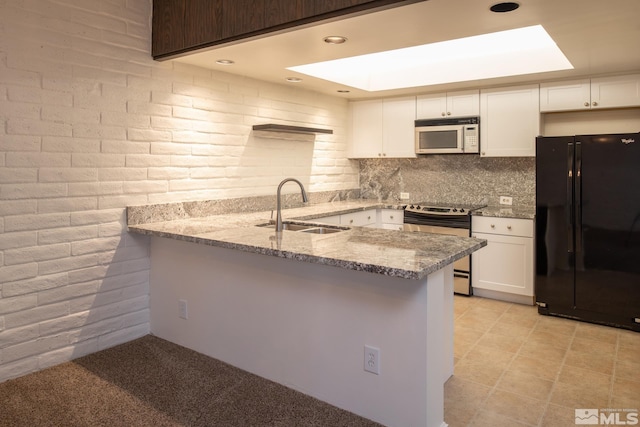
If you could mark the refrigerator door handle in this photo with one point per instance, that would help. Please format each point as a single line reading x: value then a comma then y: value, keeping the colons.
x: 570, y: 206
x: 578, y: 200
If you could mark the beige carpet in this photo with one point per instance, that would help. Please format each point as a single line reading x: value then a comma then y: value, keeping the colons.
x: 152, y: 382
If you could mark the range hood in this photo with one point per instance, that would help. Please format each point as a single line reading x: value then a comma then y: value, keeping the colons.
x: 270, y: 127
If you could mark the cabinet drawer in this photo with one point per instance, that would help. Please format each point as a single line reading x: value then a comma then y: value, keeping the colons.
x: 504, y: 226
x: 358, y: 219
x: 392, y: 216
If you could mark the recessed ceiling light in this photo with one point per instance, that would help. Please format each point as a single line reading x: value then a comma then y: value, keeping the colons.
x: 335, y: 39
x: 504, y: 7
x: 225, y: 62
x: 293, y: 79
x: 506, y: 53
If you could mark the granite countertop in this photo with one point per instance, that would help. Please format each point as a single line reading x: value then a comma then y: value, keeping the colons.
x: 521, y: 212
x: 395, y: 253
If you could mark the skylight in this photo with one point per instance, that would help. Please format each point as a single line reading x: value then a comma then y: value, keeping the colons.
x: 506, y: 53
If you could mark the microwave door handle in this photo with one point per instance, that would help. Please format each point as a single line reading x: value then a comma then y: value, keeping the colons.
x: 463, y: 146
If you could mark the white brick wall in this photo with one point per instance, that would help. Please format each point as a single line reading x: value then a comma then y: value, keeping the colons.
x: 89, y: 123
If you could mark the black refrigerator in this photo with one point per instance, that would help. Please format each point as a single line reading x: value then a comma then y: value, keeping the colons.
x: 588, y: 228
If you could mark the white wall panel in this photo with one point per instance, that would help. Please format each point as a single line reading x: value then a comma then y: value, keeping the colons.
x: 89, y: 123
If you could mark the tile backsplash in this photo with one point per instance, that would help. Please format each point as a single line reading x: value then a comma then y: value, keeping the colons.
x: 467, y: 179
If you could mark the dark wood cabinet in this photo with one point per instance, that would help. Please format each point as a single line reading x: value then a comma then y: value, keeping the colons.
x: 278, y: 12
x: 180, y: 26
x: 202, y: 21
x: 313, y: 7
x: 242, y: 17
x: 168, y: 26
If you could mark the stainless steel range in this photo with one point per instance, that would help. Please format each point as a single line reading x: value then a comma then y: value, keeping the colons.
x: 454, y: 220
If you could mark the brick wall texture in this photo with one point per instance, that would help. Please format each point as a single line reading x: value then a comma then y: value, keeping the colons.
x: 89, y: 124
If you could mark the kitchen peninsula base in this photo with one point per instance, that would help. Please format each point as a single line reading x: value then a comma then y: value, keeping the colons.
x: 305, y: 325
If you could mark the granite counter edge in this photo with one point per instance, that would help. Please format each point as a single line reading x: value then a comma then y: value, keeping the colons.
x: 315, y: 259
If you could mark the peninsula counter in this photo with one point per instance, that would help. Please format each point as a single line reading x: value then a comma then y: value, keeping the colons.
x: 299, y: 308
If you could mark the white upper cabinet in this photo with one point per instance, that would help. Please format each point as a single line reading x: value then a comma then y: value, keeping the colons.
x: 383, y: 128
x: 509, y: 121
x: 451, y: 104
x: 586, y: 94
x: 565, y: 96
x: 365, y: 136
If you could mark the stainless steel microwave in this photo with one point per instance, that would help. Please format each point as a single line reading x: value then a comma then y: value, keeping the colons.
x: 450, y: 135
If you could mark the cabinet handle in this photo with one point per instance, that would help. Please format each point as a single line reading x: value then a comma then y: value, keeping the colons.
x: 594, y: 104
x: 369, y: 217
x: 448, y: 113
x: 442, y: 114
x: 586, y: 104
x: 493, y: 226
x: 351, y: 221
x: 508, y: 227
x: 379, y: 154
x: 391, y: 216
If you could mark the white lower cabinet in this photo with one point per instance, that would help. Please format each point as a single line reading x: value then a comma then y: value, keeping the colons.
x: 359, y: 219
x: 504, y: 268
x: 391, y: 219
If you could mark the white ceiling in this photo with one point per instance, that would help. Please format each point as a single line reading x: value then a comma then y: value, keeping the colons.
x: 597, y: 36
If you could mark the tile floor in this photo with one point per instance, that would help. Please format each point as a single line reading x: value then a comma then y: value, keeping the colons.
x: 514, y: 367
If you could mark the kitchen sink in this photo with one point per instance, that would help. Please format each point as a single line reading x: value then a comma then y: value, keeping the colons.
x: 306, y: 228
x: 323, y: 230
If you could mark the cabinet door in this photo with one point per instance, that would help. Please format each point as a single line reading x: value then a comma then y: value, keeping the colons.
x: 281, y: 11
x: 432, y: 106
x: 168, y: 28
x: 315, y: 7
x: 504, y: 265
x: 451, y: 104
x: 242, y: 17
x: 464, y: 103
x: 390, y: 219
x: 392, y: 216
x: 619, y: 91
x: 510, y: 121
x: 565, y: 96
x: 398, y: 127
x: 202, y: 21
x: 366, y: 129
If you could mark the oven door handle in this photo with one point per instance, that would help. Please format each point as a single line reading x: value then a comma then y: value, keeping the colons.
x: 449, y: 231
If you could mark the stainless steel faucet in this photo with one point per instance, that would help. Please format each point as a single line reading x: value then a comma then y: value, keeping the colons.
x: 278, y: 208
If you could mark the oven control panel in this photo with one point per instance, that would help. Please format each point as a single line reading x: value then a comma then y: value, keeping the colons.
x: 438, y: 210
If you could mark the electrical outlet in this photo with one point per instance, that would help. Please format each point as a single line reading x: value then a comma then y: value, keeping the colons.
x: 182, y: 309
x: 506, y: 200
x: 404, y: 196
x: 372, y: 359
